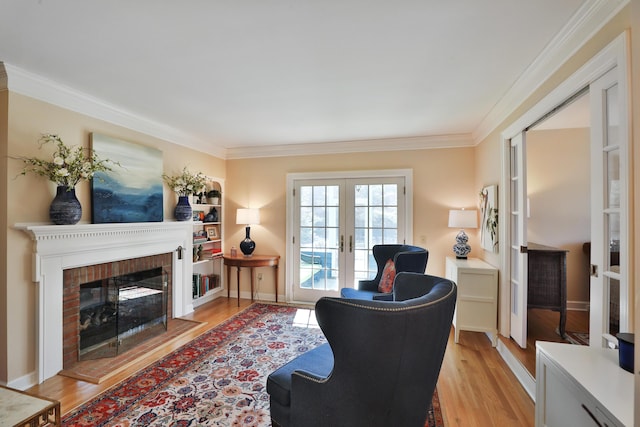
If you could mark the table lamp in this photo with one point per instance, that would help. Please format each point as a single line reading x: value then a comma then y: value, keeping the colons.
x: 460, y: 218
x: 247, y: 217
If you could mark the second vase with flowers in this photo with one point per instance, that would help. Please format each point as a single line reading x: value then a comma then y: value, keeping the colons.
x: 185, y: 185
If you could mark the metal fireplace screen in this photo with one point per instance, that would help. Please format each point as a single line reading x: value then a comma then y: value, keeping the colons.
x: 120, y: 312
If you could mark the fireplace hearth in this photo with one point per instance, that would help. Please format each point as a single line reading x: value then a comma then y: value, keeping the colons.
x: 118, y: 313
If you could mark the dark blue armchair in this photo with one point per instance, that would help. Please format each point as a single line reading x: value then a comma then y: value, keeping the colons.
x: 405, y: 257
x: 380, y: 365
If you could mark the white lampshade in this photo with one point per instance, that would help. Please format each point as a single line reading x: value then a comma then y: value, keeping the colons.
x: 248, y: 216
x: 460, y: 218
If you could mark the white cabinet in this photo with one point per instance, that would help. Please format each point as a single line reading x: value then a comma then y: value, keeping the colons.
x: 477, y: 303
x: 581, y: 386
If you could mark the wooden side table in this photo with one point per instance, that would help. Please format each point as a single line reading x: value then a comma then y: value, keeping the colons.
x: 250, y: 262
x: 18, y: 408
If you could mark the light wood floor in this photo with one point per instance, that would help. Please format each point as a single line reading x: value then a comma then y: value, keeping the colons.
x: 541, y: 326
x: 476, y: 388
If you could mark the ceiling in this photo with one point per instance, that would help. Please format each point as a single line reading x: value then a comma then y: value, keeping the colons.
x: 250, y: 75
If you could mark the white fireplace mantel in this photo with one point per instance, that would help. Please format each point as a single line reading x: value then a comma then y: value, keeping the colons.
x: 60, y: 247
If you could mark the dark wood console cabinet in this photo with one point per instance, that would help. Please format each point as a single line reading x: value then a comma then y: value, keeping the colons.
x: 547, y: 280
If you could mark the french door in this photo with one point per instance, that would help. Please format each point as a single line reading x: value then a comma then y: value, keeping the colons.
x: 334, y: 224
x: 609, y: 284
x: 518, y: 239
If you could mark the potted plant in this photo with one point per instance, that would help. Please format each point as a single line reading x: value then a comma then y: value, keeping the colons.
x: 67, y: 167
x: 185, y: 185
x: 213, y: 197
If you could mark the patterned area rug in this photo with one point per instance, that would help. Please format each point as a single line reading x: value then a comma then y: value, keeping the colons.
x: 578, y: 338
x: 218, y: 379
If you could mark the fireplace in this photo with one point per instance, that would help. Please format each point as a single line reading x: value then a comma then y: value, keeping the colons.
x: 109, y: 308
x: 120, y: 312
x: 67, y: 257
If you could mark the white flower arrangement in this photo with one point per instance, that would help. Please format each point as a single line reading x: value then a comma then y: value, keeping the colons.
x: 69, y: 165
x: 186, y: 183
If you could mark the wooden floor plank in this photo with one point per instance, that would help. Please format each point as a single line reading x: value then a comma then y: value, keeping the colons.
x: 542, y: 326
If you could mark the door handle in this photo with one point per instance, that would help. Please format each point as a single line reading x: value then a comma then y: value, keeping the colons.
x: 524, y: 249
x: 341, y: 243
x: 593, y: 270
x: 350, y: 243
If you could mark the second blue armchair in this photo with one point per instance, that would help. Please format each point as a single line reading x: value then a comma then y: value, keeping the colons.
x: 406, y: 258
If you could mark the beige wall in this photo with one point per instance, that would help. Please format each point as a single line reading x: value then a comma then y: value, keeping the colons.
x: 558, y: 188
x: 488, y: 172
x: 29, y: 198
x: 443, y: 179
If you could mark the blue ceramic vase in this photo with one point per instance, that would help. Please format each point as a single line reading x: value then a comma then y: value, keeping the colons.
x: 183, y: 211
x: 65, y: 208
x: 247, y: 246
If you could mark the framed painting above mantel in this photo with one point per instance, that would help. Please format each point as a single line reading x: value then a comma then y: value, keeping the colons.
x: 132, y: 192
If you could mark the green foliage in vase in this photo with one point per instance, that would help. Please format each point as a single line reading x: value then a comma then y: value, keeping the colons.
x: 186, y: 183
x: 68, y: 165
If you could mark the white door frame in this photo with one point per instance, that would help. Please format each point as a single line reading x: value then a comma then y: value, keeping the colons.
x: 407, y: 174
x: 612, y: 56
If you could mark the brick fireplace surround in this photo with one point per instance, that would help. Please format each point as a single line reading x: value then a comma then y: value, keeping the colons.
x: 74, y: 277
x: 60, y: 249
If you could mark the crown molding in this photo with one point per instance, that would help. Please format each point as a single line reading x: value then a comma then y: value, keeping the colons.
x: 37, y: 87
x: 359, y: 146
x: 584, y: 24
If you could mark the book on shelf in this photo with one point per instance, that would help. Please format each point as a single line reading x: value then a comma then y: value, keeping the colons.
x: 195, y: 286
x: 203, y: 283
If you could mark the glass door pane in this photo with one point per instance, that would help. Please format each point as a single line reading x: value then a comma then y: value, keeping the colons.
x: 375, y: 222
x: 319, y: 237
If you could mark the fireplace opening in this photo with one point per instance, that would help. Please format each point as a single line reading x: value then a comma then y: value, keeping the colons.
x: 118, y: 313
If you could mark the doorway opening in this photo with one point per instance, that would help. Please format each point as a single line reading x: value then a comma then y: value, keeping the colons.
x: 558, y: 221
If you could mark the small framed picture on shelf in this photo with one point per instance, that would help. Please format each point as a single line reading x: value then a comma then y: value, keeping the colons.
x: 212, y: 232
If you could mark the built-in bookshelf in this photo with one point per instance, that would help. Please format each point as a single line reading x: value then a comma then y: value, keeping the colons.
x: 207, y: 280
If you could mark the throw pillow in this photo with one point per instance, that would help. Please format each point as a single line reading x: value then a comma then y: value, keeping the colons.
x: 388, y: 274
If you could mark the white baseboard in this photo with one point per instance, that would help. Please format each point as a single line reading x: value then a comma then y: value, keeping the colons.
x: 257, y: 296
x: 24, y: 382
x: 578, y: 305
x: 524, y: 377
